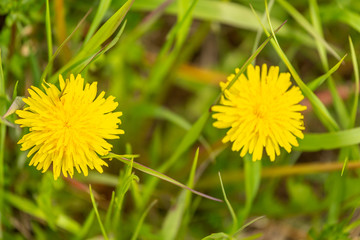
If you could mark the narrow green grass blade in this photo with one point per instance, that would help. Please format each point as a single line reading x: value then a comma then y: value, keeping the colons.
x: 313, y: 85
x: 259, y: 32
x: 124, y: 182
x: 94, y: 44
x: 191, y: 136
x: 184, y: 29
x: 175, y: 216
x: 301, y: 20
x: 225, y: 12
x: 166, y: 60
x: 100, y: 13
x: 97, y: 213
x: 339, y: 104
x: 86, y: 226
x: 106, y: 30
x: 326, y: 141
x: 2, y: 142
x: 103, y: 50
x: 319, y: 108
x: 228, y: 204
x: 48, y: 66
x: 159, y: 175
x: 48, y: 34
x: 29, y: 207
x: 356, y: 90
x: 110, y: 211
x: 141, y: 220
x: 252, y: 173
x: 252, y: 57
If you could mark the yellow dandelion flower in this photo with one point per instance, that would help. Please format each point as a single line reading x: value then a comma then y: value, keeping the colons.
x: 261, y: 112
x: 68, y: 127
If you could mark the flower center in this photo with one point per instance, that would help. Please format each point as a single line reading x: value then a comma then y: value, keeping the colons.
x: 261, y: 110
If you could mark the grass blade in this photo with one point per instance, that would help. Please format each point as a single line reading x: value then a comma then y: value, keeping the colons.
x: 326, y: 141
x: 231, y: 210
x: 356, y: 91
x: 301, y: 20
x: 103, y: 7
x: 48, y: 66
x: 313, y: 85
x: 159, y: 175
x: 141, y: 220
x: 2, y: 141
x: 48, y: 33
x: 97, y: 214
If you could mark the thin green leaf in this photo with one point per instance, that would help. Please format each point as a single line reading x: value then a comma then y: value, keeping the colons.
x: 252, y: 57
x: 103, y: 50
x: 231, y: 210
x: 141, y: 220
x: 252, y: 173
x: 2, y: 140
x: 100, y: 13
x: 356, y: 91
x: 48, y: 33
x: 225, y: 12
x: 300, y: 19
x: 86, y: 226
x: 29, y: 207
x: 339, y: 104
x: 175, y: 215
x: 97, y: 213
x: 48, y: 66
x: 331, y: 140
x: 313, y: 85
x: 159, y: 175
x: 110, y: 210
x: 106, y: 30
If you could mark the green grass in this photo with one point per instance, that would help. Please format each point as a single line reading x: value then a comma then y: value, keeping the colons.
x: 169, y: 175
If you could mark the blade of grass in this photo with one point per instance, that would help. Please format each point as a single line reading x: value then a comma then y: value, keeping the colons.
x: 100, y: 13
x: 29, y: 207
x: 331, y: 140
x: 319, y: 108
x: 228, y: 204
x: 252, y: 57
x: 48, y: 66
x: 259, y: 31
x: 252, y: 173
x: 2, y: 142
x: 166, y: 60
x: 103, y: 50
x: 141, y: 220
x: 48, y: 34
x: 97, y: 214
x: 301, y: 20
x: 95, y: 42
x: 86, y: 226
x: 338, y: 102
x: 356, y: 91
x: 175, y: 216
x: 110, y: 210
x: 158, y: 175
x: 313, y: 85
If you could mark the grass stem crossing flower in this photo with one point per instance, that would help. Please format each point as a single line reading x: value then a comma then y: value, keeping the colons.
x: 261, y: 112
x: 68, y: 127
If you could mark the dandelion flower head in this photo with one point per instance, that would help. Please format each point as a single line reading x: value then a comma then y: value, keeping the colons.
x: 261, y: 112
x: 68, y: 127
